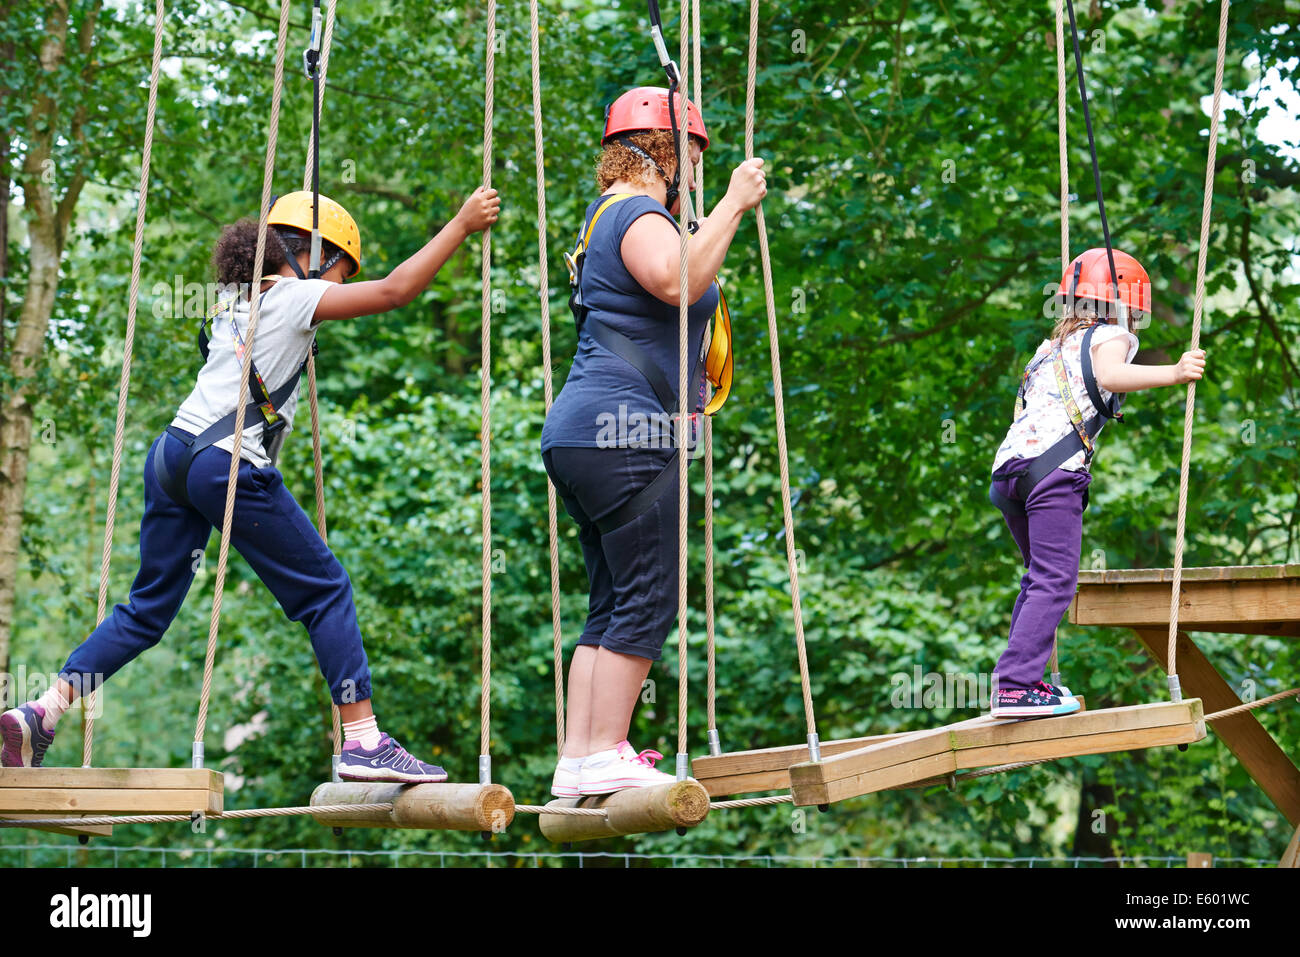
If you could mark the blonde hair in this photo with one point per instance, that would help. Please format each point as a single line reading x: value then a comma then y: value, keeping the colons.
x: 1074, y: 316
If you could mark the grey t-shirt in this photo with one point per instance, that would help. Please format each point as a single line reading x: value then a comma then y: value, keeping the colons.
x: 283, y: 339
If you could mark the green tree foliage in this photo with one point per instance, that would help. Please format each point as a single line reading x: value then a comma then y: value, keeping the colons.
x: 913, y: 216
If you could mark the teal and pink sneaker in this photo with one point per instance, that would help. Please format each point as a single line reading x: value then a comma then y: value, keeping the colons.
x: 388, y: 762
x: 1036, y: 702
x: 25, y: 737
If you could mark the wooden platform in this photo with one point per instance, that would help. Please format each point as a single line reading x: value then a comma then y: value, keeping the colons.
x: 46, y: 791
x: 924, y: 756
x: 1237, y: 599
x: 1249, y: 600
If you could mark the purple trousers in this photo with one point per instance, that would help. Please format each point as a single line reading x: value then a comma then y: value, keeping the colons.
x: 1049, y: 535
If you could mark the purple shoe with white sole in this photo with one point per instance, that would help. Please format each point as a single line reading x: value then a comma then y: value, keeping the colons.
x: 25, y: 737
x: 388, y: 762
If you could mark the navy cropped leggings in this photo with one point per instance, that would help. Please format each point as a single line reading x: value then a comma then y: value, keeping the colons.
x: 276, y: 538
x: 632, y: 570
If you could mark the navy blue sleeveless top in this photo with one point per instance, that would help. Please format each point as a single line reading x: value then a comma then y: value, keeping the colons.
x: 602, y: 389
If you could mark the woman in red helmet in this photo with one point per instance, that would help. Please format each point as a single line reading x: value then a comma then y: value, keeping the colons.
x: 188, y: 467
x: 609, y: 443
x: 1075, y: 381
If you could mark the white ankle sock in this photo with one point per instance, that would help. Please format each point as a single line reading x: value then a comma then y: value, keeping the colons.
x: 365, y: 730
x: 54, y: 704
x: 571, y: 764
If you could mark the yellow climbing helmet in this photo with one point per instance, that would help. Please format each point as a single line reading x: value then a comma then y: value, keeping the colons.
x: 294, y: 209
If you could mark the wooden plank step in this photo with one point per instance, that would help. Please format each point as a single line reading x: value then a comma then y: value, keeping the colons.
x: 72, y: 827
x: 767, y: 769
x: 110, y: 790
x: 909, y: 757
x: 1012, y: 732
x: 984, y: 742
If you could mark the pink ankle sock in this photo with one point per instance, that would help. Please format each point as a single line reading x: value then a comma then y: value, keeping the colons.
x: 365, y: 730
x: 54, y: 704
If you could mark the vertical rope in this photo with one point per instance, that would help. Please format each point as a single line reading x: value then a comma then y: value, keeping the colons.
x: 1065, y: 205
x: 317, y: 460
x: 1207, y: 202
x: 485, y: 407
x: 683, y: 422
x: 124, y: 384
x: 254, y: 313
x: 548, y: 389
x: 1061, y: 135
x: 777, y: 388
x: 709, y: 619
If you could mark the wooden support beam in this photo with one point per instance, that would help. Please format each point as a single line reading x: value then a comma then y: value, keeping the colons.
x: 1291, y: 856
x: 42, y: 791
x: 433, y: 807
x: 1261, y: 756
x: 630, y: 811
x: 1262, y: 599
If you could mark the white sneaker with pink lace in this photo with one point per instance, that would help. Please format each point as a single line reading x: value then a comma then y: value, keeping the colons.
x: 621, y: 767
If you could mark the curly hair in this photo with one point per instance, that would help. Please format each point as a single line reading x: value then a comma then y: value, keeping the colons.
x: 617, y: 162
x: 234, y: 256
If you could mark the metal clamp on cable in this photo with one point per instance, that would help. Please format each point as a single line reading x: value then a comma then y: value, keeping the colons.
x: 683, y: 766
x: 311, y: 55
x: 485, y: 769
x: 715, y: 743
x: 196, y: 756
x: 1175, y: 689
x: 657, y: 35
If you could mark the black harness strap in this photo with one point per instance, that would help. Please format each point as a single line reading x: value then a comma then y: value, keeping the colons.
x: 173, y: 483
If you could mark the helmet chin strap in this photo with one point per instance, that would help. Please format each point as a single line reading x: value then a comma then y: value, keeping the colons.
x: 670, y: 184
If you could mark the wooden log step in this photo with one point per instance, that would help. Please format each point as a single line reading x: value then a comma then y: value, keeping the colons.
x: 630, y: 811
x: 433, y: 807
x: 40, y: 791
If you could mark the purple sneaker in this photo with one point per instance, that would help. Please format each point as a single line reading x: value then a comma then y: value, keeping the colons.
x: 25, y: 737
x: 388, y: 762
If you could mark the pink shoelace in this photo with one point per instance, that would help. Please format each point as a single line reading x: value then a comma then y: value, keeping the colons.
x: 648, y: 757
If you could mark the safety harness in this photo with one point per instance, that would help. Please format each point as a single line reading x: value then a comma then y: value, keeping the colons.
x: 715, y: 354
x: 264, y: 403
x: 1083, y: 436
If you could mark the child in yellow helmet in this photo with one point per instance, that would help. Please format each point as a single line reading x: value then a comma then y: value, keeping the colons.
x: 187, y: 469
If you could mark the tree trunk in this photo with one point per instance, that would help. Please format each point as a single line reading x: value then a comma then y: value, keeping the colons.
x: 47, y: 219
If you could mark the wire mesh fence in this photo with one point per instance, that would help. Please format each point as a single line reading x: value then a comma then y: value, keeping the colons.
x: 110, y: 856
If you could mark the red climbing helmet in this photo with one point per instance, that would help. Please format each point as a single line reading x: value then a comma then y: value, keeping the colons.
x: 646, y: 108
x: 1088, y: 277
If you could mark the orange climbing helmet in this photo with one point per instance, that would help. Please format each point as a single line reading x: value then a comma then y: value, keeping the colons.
x: 646, y: 108
x: 1089, y: 277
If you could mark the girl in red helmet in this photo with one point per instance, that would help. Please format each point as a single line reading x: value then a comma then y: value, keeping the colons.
x: 609, y: 444
x: 188, y: 466
x: 1075, y: 381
